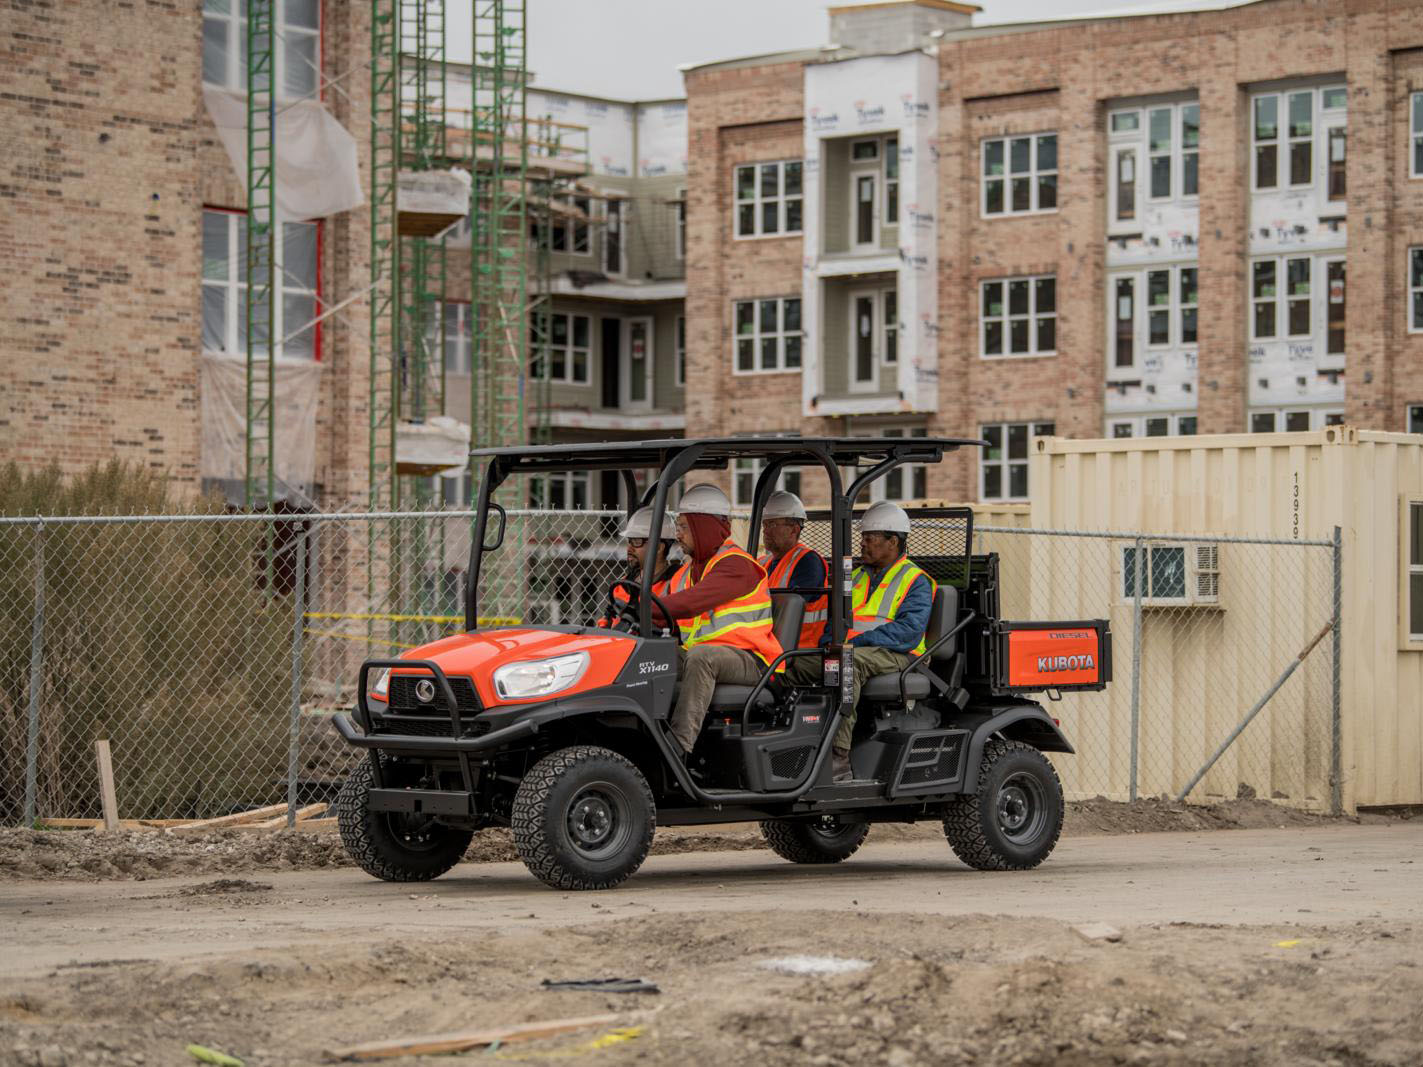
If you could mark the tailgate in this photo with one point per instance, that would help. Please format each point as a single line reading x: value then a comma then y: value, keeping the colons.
x: 1030, y: 657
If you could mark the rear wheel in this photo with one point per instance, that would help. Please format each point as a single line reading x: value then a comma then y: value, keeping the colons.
x: 583, y: 818
x: 1012, y: 823
x: 827, y: 839
x: 389, y: 845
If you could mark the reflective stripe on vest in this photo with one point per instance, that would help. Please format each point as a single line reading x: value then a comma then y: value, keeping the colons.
x: 744, y: 622
x: 874, y: 609
x: 675, y: 584
x: 659, y: 589
x: 817, y: 609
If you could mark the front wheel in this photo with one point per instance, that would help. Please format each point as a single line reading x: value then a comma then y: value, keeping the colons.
x: 583, y: 818
x: 392, y: 846
x: 1012, y: 823
x: 823, y: 840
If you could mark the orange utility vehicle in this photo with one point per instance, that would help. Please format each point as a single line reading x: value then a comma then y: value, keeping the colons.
x: 561, y: 732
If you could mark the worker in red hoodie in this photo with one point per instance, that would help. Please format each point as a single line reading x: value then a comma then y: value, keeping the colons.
x: 727, y: 607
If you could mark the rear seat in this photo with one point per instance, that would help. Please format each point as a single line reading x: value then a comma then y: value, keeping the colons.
x: 884, y: 688
x: 787, y: 613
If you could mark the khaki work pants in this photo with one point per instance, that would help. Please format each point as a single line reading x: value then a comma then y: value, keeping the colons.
x: 869, y: 661
x: 699, y: 670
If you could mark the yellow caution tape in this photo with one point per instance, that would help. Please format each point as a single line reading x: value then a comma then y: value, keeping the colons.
x: 491, y: 620
x: 616, y: 1036
x: 356, y: 637
x: 1286, y: 944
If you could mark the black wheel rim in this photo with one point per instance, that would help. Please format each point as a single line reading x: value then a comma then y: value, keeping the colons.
x: 599, y: 819
x: 417, y: 833
x: 828, y: 827
x: 1022, y: 808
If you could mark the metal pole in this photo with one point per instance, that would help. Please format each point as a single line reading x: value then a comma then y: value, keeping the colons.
x: 1249, y: 715
x: 1140, y: 568
x: 32, y: 741
x: 1336, y: 755
x: 298, y: 620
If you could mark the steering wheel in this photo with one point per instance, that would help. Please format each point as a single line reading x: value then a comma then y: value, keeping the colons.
x: 629, y: 613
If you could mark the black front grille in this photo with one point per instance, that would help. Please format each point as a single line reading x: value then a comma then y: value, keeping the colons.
x: 403, y: 698
x: 422, y: 727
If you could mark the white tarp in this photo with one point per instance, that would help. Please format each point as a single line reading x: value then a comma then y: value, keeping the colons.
x: 662, y: 139
x: 430, y: 447
x: 224, y: 424
x: 876, y: 95
x: 610, y: 127
x: 318, y: 173
x: 433, y: 192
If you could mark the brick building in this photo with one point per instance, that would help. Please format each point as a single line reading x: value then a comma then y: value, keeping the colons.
x: 1141, y: 225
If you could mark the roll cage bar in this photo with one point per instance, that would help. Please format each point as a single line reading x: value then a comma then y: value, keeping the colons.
x: 677, y: 457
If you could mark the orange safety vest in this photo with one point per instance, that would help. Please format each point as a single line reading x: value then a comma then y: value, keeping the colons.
x: 817, y: 609
x: 680, y: 579
x: 873, y: 610
x: 744, y: 622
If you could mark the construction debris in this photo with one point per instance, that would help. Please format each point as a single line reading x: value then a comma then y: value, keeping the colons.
x: 255, y: 815
x: 437, y: 1044
x: 601, y: 985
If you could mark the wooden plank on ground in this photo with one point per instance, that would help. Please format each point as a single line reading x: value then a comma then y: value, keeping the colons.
x: 255, y: 815
x: 308, y: 812
x: 124, y: 824
x: 107, y: 797
x: 318, y: 825
x: 437, y: 1044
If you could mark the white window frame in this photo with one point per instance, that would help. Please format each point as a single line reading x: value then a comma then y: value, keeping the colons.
x: 288, y: 57
x: 758, y: 200
x: 1413, y: 418
x: 461, y: 338
x: 1322, y: 120
x: 1175, y: 309
x: 891, y: 180
x: 577, y: 235
x: 1006, y: 175
x: 1415, y: 138
x: 569, y: 350
x: 856, y: 178
x: 235, y: 283
x: 679, y: 225
x: 1282, y: 298
x: 615, y: 223
x: 679, y: 351
x: 567, y: 482
x: 757, y: 335
x: 1034, y: 317
x: 1414, y: 278
x: 789, y: 479
x: 1199, y: 560
x: 1131, y: 427
x: 1129, y: 133
x: 1331, y: 360
x: 625, y: 375
x: 908, y: 473
x: 1005, y: 463
x: 882, y: 332
x: 456, y: 490
x: 1318, y: 418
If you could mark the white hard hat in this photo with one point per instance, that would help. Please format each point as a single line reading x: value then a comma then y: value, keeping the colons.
x: 640, y: 525
x: 705, y: 500
x: 784, y: 505
x: 885, y: 517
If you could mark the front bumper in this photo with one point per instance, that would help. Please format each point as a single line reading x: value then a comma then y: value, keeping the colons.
x: 434, y: 745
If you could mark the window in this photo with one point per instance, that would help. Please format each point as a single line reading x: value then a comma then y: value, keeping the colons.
x: 874, y: 337
x: 1128, y: 426
x: 768, y: 199
x: 298, y: 33
x: 565, y: 491
x: 743, y: 481
x: 680, y: 350
x: 680, y: 224
x: 569, y: 234
x: 568, y: 350
x: 1152, y: 309
x: 224, y: 324
x: 1415, y: 290
x: 456, y: 490
x: 1284, y: 130
x: 891, y: 181
x: 1415, y: 570
x: 1415, y: 167
x: 908, y: 482
x: 768, y: 336
x: 864, y: 209
x: 1003, y: 466
x: 1172, y: 573
x: 613, y: 238
x: 1020, y: 174
x: 1415, y: 418
x: 1335, y: 271
x: 1167, y: 137
x: 459, y: 323
x: 1281, y: 311
x: 1018, y: 316
x: 1293, y: 420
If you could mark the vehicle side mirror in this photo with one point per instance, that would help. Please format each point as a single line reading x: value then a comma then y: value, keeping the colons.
x: 495, y: 509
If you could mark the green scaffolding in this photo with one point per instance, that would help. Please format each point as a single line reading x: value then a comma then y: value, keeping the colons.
x: 259, y: 487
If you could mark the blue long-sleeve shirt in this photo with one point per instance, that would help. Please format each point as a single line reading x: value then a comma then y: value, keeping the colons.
x: 906, y: 629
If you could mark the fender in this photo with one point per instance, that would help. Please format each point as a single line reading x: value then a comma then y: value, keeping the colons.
x: 1026, y: 722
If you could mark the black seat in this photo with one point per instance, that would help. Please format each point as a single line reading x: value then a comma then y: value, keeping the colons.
x: 787, y: 613
x: 942, y: 618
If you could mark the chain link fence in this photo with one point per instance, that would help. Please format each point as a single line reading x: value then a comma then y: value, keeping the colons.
x: 211, y: 650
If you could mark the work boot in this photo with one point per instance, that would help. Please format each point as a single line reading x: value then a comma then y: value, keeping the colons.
x: 840, y: 765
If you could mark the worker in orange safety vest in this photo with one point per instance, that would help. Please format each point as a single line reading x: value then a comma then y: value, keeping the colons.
x: 792, y: 565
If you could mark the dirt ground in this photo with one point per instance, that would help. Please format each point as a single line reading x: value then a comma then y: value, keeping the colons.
x: 144, y: 854
x: 1270, y: 945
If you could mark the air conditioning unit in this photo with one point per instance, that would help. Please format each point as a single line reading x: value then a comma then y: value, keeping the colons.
x: 1174, y: 573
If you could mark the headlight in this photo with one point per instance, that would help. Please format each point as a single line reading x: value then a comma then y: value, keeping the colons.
x: 539, y: 677
x: 382, y: 685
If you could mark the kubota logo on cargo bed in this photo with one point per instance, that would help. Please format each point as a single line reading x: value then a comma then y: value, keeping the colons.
x: 1048, y: 664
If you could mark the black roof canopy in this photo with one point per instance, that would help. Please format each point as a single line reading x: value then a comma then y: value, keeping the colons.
x: 717, y: 452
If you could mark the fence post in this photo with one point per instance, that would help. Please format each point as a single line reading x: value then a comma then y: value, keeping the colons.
x: 298, y: 625
x: 32, y: 739
x: 1140, y: 568
x: 1336, y: 758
